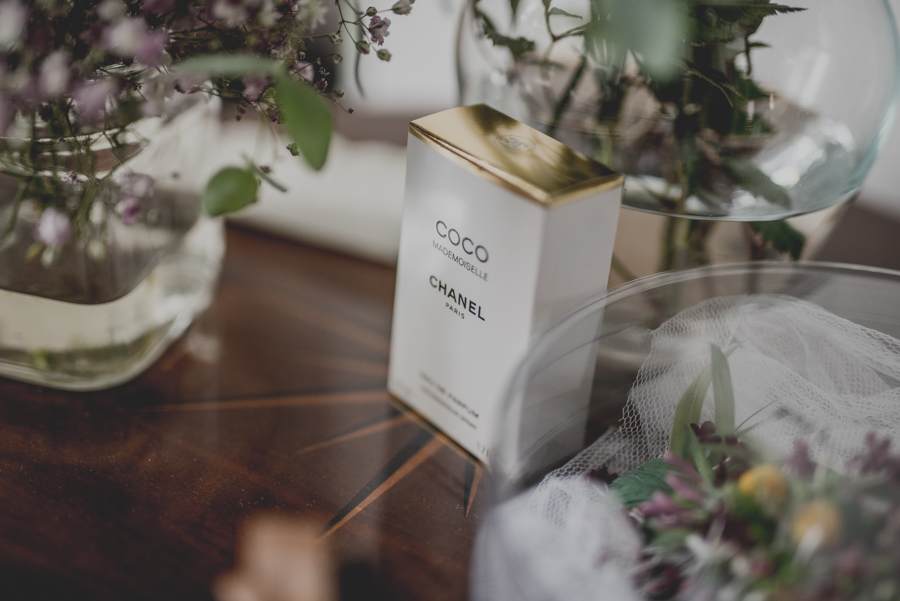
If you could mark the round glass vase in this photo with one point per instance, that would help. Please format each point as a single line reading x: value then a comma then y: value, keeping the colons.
x: 572, y: 385
x: 713, y: 114
x: 98, y: 310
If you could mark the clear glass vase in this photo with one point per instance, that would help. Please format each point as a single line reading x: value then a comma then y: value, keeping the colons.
x: 572, y: 386
x: 710, y: 114
x: 101, y: 308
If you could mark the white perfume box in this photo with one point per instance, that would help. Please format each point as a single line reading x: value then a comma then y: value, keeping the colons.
x: 505, y: 231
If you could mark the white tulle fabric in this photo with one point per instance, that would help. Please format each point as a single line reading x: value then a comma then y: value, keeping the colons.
x: 798, y: 371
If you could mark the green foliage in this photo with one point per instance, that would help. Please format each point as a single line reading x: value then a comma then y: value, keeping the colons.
x: 687, y: 411
x: 781, y: 235
x: 229, y: 65
x: 306, y: 119
x: 517, y: 46
x: 230, y: 189
x: 723, y: 392
x: 652, y: 30
x: 639, y: 484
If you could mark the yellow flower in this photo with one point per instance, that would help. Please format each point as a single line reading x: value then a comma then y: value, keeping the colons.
x: 765, y: 483
x: 817, y: 519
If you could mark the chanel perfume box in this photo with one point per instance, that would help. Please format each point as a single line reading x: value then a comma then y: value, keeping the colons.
x: 505, y: 231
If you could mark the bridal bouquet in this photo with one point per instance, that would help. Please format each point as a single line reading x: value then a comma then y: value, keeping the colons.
x: 753, y: 461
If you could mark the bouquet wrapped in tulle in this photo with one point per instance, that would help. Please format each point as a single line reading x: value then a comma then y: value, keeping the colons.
x: 753, y: 461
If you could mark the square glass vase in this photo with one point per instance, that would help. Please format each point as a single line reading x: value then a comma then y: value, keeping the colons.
x: 100, y: 309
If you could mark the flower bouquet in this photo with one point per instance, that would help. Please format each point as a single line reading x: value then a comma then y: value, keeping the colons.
x: 752, y: 459
x: 109, y: 114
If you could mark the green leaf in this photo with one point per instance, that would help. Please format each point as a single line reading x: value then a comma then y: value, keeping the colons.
x: 688, y: 411
x: 782, y: 236
x: 748, y: 176
x: 639, y: 484
x: 306, y: 118
x: 654, y: 31
x: 558, y: 11
x: 723, y: 391
x: 516, y: 46
x: 230, y: 189
x: 229, y: 65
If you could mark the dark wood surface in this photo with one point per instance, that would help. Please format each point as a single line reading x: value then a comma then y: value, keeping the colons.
x: 274, y: 401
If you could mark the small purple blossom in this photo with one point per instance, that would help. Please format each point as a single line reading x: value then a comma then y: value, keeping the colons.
x: 70, y: 178
x: 54, y: 229
x: 659, y: 504
x: 152, y: 51
x: 91, y: 98
x: 379, y: 29
x: 800, y: 463
x: 129, y: 208
x: 321, y: 84
x: 139, y: 185
x: 683, y: 489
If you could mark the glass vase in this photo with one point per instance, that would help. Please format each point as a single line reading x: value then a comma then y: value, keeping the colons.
x: 712, y: 115
x: 98, y: 310
x: 572, y: 386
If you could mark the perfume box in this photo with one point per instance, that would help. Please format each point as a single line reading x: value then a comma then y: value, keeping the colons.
x: 505, y: 231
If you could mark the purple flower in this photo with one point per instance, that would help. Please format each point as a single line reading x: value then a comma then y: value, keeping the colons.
x: 158, y: 7
x: 378, y: 29
x: 140, y: 185
x: 683, y: 489
x: 800, y: 463
x: 321, y: 84
x: 54, y: 229
x: 659, y: 504
x: 130, y: 209
x: 91, y: 98
x: 152, y: 51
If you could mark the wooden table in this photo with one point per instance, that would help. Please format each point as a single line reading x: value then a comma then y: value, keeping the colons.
x: 274, y: 401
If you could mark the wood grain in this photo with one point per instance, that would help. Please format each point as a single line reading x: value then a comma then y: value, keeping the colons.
x: 274, y: 401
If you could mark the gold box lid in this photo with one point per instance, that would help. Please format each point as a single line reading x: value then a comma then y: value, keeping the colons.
x: 513, y: 154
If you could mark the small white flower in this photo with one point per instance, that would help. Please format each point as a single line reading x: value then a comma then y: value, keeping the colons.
x: 126, y: 37
x: 13, y: 17
x: 56, y: 73
x: 313, y: 13
x: 54, y: 229
x: 110, y: 10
